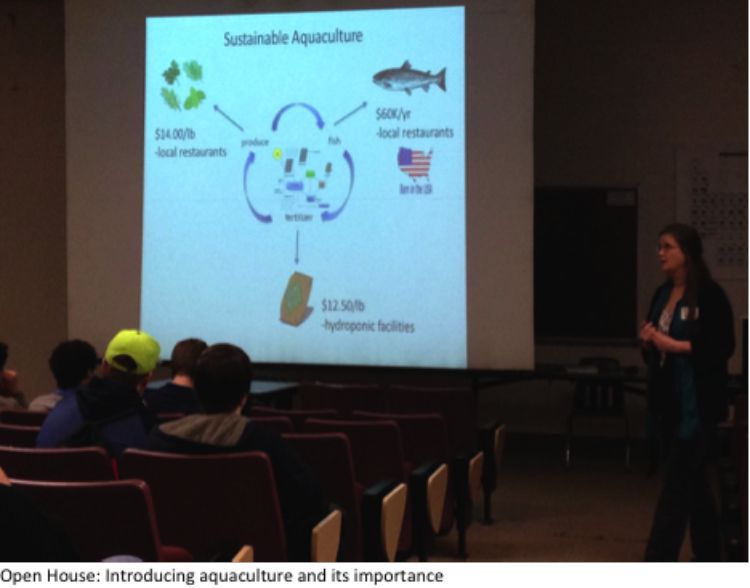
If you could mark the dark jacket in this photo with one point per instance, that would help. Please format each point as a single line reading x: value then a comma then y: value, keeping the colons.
x: 711, y: 335
x: 103, y: 412
x: 300, y: 494
x: 171, y: 398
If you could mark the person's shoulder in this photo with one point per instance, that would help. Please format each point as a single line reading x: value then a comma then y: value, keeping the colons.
x: 45, y: 402
x: 711, y: 286
x: 171, y: 398
x: 662, y: 288
x: 62, y: 421
x: 257, y: 437
x: 63, y: 409
x: 658, y: 299
x: 711, y: 292
x: 153, y: 394
x: 158, y: 440
x: 160, y: 389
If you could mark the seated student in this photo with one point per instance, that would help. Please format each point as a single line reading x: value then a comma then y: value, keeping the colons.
x: 10, y: 395
x: 178, y: 394
x: 72, y: 363
x: 222, y: 382
x: 108, y: 410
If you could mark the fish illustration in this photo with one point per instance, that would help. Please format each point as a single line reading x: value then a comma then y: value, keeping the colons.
x: 407, y: 79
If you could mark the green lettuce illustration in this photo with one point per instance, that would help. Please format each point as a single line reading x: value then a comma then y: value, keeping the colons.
x: 193, y: 70
x: 170, y: 98
x: 172, y: 73
x: 195, y: 99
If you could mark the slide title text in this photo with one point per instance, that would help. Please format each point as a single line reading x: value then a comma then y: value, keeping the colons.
x: 296, y: 38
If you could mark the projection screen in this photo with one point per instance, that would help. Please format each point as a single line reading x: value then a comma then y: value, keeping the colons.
x: 317, y: 183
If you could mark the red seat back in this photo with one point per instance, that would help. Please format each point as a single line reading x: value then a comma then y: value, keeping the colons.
x: 424, y: 435
x: 376, y: 447
x: 378, y: 455
x: 18, y: 435
x: 344, y: 398
x: 425, y: 439
x: 329, y: 456
x: 213, y: 504
x: 102, y: 518
x: 280, y: 424
x: 79, y: 464
x: 456, y: 405
x: 298, y: 417
x: 28, y: 418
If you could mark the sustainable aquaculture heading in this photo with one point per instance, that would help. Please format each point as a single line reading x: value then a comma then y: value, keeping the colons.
x: 306, y: 39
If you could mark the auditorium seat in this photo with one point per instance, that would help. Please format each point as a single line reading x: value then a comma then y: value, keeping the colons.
x: 473, y: 448
x: 343, y: 398
x: 297, y: 416
x: 214, y: 504
x: 104, y: 519
x: 425, y: 444
x: 373, y: 516
x: 378, y: 455
x: 28, y: 418
x: 18, y: 435
x: 79, y: 464
x: 280, y: 424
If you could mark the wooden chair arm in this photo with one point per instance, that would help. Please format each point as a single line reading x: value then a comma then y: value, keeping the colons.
x: 437, y: 487
x: 392, y: 519
x: 476, y: 464
x: 326, y: 538
x: 245, y: 555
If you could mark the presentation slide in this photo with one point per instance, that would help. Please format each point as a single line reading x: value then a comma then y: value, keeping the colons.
x: 305, y: 185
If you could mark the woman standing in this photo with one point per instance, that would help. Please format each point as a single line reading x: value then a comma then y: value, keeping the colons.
x: 687, y: 339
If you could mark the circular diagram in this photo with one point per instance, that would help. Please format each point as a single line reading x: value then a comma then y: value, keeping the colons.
x: 302, y: 175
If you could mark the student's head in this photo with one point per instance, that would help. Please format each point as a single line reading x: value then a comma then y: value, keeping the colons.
x: 185, y: 355
x: 72, y: 362
x: 3, y: 355
x: 222, y: 378
x: 130, y: 357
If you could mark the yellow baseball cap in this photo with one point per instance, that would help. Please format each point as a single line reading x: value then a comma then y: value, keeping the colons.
x: 139, y: 346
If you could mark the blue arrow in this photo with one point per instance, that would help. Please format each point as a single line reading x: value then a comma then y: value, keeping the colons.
x: 317, y: 116
x: 343, y: 118
x: 226, y: 116
x: 264, y: 218
x: 329, y: 216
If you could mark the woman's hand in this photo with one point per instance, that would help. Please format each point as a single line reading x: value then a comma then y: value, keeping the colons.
x: 646, y: 334
x: 667, y: 344
x: 651, y: 336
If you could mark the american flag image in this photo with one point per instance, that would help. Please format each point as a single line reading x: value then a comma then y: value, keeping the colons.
x: 414, y: 163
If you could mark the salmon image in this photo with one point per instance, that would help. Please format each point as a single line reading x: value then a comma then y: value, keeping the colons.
x: 407, y: 79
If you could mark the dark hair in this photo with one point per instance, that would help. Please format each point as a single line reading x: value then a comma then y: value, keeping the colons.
x: 696, y: 269
x: 185, y: 355
x: 3, y: 355
x: 222, y: 377
x: 71, y: 361
x: 127, y: 378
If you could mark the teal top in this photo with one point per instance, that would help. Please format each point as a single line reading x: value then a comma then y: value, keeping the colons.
x: 683, y: 372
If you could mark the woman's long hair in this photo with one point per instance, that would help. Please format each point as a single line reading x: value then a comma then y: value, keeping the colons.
x: 697, y: 271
